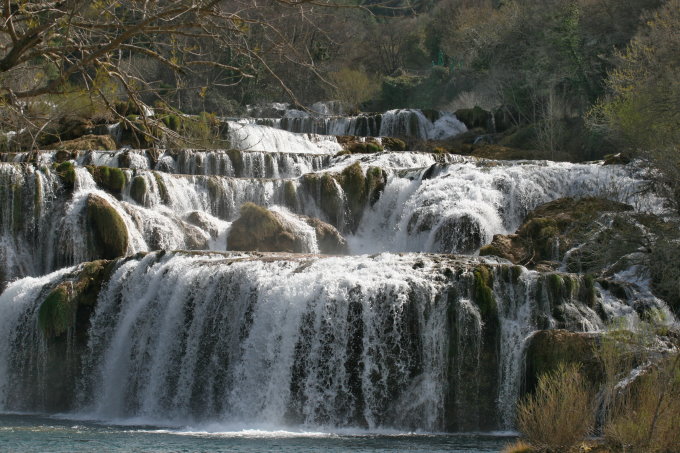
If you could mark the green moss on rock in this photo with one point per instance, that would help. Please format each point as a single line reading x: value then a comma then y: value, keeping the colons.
x: 71, y: 302
x: 394, y: 144
x: 290, y: 195
x: 138, y: 189
x: 106, y: 229
x: 57, y: 312
x: 551, y: 230
x: 67, y: 173
x: 324, y: 188
x: 163, y: 190
x: 482, y: 293
x: 353, y: 183
x: 111, y: 179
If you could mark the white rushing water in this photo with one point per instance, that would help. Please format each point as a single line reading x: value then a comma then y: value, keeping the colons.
x: 459, y: 207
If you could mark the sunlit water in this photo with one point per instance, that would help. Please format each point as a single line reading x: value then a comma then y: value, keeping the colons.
x: 23, y: 433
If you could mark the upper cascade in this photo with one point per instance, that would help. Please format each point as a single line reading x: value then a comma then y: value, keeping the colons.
x: 406, y: 123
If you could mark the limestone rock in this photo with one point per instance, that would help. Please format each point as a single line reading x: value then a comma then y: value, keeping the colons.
x: 202, y: 221
x: 259, y: 229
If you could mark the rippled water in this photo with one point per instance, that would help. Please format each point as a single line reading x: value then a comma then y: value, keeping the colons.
x: 22, y: 433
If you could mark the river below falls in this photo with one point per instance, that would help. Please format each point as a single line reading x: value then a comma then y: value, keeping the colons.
x: 29, y: 433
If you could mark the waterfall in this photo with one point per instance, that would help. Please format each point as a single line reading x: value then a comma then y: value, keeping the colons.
x: 381, y: 342
x: 121, y: 302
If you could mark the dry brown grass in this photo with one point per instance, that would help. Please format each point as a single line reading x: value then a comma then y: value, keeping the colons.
x: 519, y: 447
x: 646, y: 416
x: 560, y: 414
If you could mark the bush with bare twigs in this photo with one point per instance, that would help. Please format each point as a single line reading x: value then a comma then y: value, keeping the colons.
x: 560, y: 414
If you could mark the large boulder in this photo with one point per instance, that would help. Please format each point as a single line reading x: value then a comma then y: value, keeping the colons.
x: 259, y: 229
x: 112, y: 179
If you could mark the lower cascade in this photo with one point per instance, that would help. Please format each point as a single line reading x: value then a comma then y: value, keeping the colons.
x: 405, y: 341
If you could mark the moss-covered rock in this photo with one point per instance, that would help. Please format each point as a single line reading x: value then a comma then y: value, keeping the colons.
x: 353, y: 183
x: 359, y: 145
x: 329, y: 239
x: 511, y: 247
x: 290, y: 195
x: 86, y: 143
x: 552, y: 229
x: 69, y: 304
x: 163, y: 190
x: 325, y: 190
x: 111, y: 179
x: 376, y: 180
x: 107, y: 233
x: 203, y: 221
x: 258, y: 229
x: 482, y: 294
x: 57, y: 312
x: 63, y: 155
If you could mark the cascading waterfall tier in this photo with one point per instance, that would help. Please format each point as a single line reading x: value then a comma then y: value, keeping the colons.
x: 413, y: 341
x: 231, y: 163
x: 453, y: 207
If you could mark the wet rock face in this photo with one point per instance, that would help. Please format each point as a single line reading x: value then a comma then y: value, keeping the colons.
x: 549, y: 348
x: 258, y: 229
x: 552, y: 229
